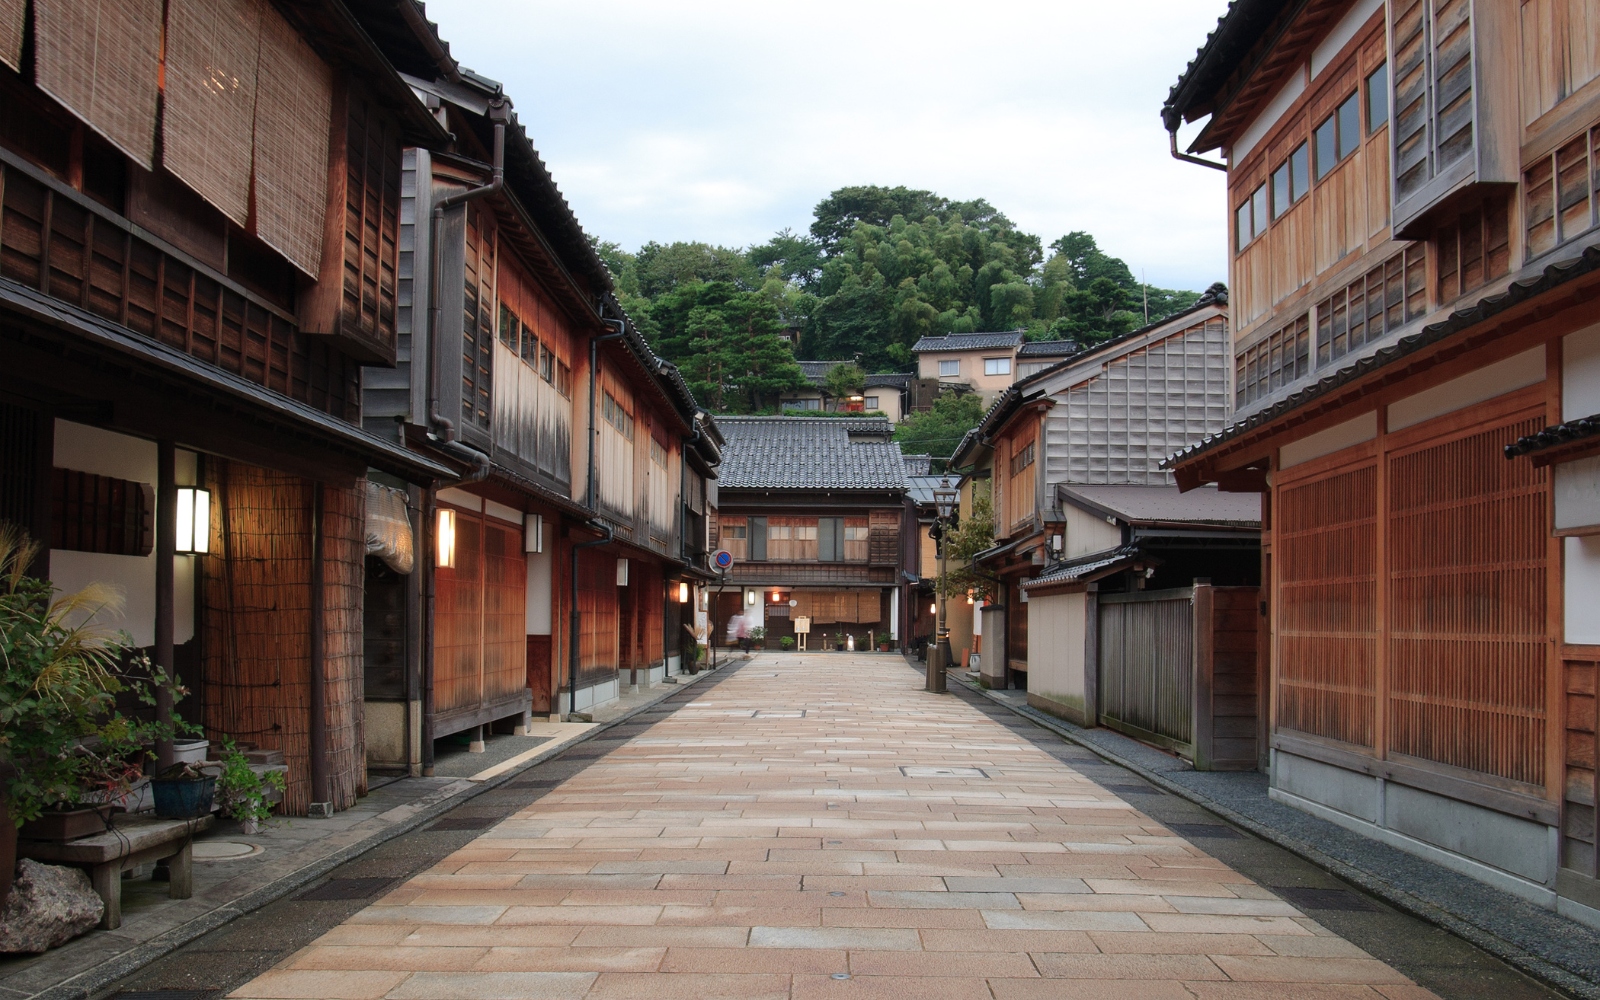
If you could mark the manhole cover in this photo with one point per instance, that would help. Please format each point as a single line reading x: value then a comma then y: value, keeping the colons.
x: 348, y: 888
x: 1216, y: 831
x: 223, y: 850
x: 1324, y: 899
x: 912, y: 771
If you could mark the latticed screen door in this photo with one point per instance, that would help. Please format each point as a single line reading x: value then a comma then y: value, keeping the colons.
x: 1326, y: 557
x: 1467, y: 597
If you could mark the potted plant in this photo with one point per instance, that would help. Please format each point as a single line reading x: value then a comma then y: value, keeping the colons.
x: 61, y: 740
x: 883, y: 645
x: 785, y: 642
x: 243, y: 792
x: 184, y: 790
x: 838, y: 642
x: 758, y: 638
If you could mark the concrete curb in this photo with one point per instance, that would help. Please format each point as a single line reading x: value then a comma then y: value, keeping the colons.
x: 95, y: 983
x: 1545, y: 971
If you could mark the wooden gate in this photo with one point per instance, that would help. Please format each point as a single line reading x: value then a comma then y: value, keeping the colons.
x: 1146, y: 666
x: 1177, y: 668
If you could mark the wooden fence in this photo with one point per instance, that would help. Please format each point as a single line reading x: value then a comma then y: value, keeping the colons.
x: 1177, y: 668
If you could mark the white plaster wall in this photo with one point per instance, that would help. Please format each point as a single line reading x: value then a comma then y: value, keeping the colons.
x: 1513, y: 373
x: 106, y: 453
x: 1582, y: 585
x: 1088, y: 532
x: 1055, y: 647
x: 539, y: 577
x: 1580, y: 373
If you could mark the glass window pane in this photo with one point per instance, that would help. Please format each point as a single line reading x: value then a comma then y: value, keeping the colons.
x: 1327, y: 153
x: 1349, y: 125
x: 1242, y: 225
x: 947, y: 368
x: 1281, y: 197
x: 1258, y: 209
x: 1378, y: 98
x: 1300, y: 171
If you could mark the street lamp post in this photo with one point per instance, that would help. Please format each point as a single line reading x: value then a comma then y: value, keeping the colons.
x: 945, y: 498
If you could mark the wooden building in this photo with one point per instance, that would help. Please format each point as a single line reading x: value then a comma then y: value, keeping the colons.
x: 811, y: 509
x: 1106, y: 416
x: 578, y: 502
x: 1414, y: 244
x: 191, y: 278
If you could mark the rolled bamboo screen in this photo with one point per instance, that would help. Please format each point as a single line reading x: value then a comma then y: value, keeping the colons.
x: 458, y: 622
x: 1326, y: 541
x: 256, y: 626
x: 505, y: 611
x: 210, y: 98
x: 846, y: 607
x: 294, y: 100
x: 344, y: 576
x: 597, y: 617
x: 12, y: 19
x: 101, y: 59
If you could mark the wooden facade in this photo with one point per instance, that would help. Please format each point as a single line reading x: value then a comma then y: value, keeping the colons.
x: 1427, y: 672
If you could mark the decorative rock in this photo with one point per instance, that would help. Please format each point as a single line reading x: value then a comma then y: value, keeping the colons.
x: 49, y: 905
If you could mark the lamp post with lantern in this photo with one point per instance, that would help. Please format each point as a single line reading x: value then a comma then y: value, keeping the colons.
x: 945, y: 499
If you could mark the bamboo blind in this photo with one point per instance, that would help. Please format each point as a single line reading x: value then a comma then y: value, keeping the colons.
x: 372, y: 219
x: 294, y: 100
x: 12, y: 20
x: 1326, y: 557
x: 478, y: 319
x: 1467, y: 604
x: 838, y: 606
x: 344, y: 576
x: 99, y: 58
x: 210, y: 99
x: 597, y: 617
x: 505, y: 611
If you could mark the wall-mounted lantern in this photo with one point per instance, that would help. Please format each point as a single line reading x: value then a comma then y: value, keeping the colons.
x: 750, y: 597
x: 777, y: 598
x: 194, y: 520
x: 683, y: 593
x: 533, y: 533
x: 444, y: 537
x: 622, y: 572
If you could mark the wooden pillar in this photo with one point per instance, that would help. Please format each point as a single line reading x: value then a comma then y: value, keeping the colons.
x: 166, y: 555
x: 320, y: 793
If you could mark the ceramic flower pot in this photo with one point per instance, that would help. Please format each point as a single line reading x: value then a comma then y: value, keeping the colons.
x: 66, y: 824
x: 183, y: 798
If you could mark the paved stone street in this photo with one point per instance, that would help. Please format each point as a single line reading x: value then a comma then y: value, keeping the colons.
x: 816, y: 826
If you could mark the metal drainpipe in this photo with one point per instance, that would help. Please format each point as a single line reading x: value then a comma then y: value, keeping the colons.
x: 572, y: 643
x: 321, y: 793
x: 1172, y: 134
x: 166, y: 555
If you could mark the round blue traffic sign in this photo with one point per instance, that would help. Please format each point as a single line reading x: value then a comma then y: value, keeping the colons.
x: 722, y: 559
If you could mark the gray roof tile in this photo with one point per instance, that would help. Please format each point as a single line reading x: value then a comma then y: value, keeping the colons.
x: 810, y: 453
x: 969, y: 341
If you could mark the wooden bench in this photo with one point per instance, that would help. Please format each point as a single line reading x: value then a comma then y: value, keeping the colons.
x: 132, y: 841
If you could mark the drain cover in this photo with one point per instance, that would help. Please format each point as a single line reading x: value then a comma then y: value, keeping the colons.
x: 913, y: 771
x: 464, y: 823
x: 1133, y: 789
x: 1215, y: 831
x: 223, y: 850
x: 348, y: 888
x: 1324, y: 899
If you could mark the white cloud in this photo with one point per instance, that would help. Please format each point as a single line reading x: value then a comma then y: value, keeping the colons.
x: 726, y: 121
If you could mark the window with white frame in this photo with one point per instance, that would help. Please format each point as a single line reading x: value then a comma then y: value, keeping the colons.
x: 997, y: 366
x: 949, y: 369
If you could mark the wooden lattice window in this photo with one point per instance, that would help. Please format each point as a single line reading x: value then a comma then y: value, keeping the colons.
x: 1467, y: 603
x: 1374, y: 305
x: 91, y: 513
x: 1326, y: 557
x: 1560, y: 193
x: 1475, y: 249
x: 1274, y: 361
x: 477, y: 321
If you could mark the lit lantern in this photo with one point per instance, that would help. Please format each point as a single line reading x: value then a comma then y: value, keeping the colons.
x: 683, y: 593
x: 933, y: 608
x: 622, y: 572
x: 776, y: 597
x: 533, y: 533
x: 969, y: 597
x: 445, y: 539
x: 750, y: 597
x: 194, y: 520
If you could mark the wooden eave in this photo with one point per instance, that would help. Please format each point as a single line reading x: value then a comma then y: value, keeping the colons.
x: 1262, y: 72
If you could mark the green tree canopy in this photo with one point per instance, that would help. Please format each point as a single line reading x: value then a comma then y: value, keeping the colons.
x: 938, y: 431
x: 847, y: 379
x: 726, y: 342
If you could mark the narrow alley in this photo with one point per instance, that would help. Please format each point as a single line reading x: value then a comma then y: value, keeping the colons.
x: 818, y: 826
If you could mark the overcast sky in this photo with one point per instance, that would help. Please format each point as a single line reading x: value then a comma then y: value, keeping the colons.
x: 726, y: 122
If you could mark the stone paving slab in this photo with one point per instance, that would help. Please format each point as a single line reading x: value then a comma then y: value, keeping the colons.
x: 295, y: 852
x: 731, y: 851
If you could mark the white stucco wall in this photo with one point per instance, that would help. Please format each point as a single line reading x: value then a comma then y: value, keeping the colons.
x: 1055, y: 648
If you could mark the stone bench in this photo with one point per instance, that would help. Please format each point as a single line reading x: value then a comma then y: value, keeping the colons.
x: 132, y: 841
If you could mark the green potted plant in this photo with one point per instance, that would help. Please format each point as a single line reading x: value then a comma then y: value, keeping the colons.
x: 785, y: 642
x: 243, y: 792
x: 758, y: 638
x: 58, y: 682
x: 838, y: 642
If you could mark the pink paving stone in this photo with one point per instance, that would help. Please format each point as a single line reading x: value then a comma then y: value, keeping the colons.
x: 727, y: 855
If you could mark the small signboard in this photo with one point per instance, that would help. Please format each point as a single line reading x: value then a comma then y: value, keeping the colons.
x: 722, y: 559
x: 802, y: 624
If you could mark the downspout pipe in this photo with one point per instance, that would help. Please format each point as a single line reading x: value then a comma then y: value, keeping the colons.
x: 1172, y: 134
x: 500, y: 114
x: 573, y: 617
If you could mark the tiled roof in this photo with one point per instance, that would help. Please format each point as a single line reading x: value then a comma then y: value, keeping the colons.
x: 1085, y: 567
x: 969, y: 342
x: 898, y: 380
x: 1553, y: 276
x: 1164, y: 504
x: 1556, y: 434
x: 918, y: 465
x: 817, y: 371
x: 920, y: 488
x: 810, y: 453
x: 1048, y: 349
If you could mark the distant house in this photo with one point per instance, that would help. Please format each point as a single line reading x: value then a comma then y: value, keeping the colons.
x: 986, y: 362
x: 1037, y: 355
x: 880, y: 393
x: 811, y: 509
